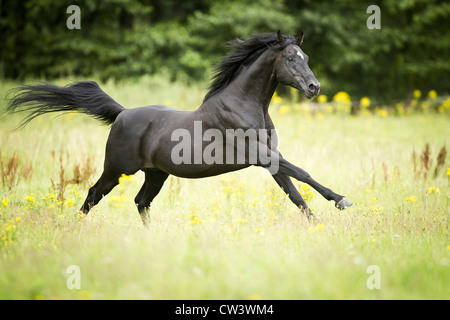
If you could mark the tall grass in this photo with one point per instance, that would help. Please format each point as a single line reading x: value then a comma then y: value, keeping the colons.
x: 235, y: 236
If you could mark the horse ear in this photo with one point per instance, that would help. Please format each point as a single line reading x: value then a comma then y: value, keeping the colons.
x: 280, y: 38
x: 300, y: 38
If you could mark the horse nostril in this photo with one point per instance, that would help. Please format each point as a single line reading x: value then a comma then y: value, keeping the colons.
x: 312, y: 87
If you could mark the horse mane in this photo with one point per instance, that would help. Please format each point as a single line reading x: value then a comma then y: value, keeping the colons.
x: 240, y: 52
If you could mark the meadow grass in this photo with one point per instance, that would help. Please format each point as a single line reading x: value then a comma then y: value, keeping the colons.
x: 234, y: 236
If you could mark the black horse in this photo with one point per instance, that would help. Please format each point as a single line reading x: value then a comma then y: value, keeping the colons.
x: 238, y: 99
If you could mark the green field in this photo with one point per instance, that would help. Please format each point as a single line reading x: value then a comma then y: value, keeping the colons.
x: 235, y: 236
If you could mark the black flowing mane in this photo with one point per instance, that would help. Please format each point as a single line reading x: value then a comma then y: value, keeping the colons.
x: 241, y: 51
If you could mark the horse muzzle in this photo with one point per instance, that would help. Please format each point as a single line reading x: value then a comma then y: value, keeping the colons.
x: 313, y: 90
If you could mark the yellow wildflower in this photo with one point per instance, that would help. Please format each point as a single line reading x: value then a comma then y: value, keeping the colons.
x: 193, y: 215
x: 313, y: 230
x: 364, y: 103
x: 68, y: 202
x: 417, y: 94
x: 342, y: 96
x: 5, y: 201
x: 242, y: 221
x: 432, y: 190
x: 84, y: 295
x: 285, y: 109
x: 195, y: 221
x: 30, y: 198
x: 322, y: 98
x: 255, y: 203
x: 432, y: 94
x: 305, y: 193
x: 227, y: 190
x: 445, y: 105
x: 400, y: 108
x: 124, y: 178
x: 276, y: 98
x: 411, y: 199
x: 381, y: 112
x: 342, y: 102
x: 119, y: 201
x: 194, y: 218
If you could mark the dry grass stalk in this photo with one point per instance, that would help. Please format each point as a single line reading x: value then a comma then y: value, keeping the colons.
x: 174, y: 189
x: 440, y: 161
x: 82, y: 172
x: 426, y: 161
x: 11, y: 171
x: 385, y: 171
x: 414, y: 160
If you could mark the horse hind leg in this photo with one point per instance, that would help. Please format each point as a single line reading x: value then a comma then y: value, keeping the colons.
x: 288, y: 187
x: 154, y: 181
x: 103, y: 186
x: 89, y: 201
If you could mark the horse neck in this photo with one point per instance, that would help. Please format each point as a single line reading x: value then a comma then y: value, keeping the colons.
x: 256, y: 83
x: 251, y: 90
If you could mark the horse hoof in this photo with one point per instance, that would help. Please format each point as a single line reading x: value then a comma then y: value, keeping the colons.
x: 344, y: 204
x: 307, y: 211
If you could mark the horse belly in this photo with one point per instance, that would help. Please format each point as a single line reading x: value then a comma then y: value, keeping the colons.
x: 200, y: 170
x: 188, y: 163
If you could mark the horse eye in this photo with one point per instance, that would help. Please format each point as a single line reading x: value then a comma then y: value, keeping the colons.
x: 290, y: 58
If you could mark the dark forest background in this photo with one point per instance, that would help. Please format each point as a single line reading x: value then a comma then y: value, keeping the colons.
x: 181, y: 40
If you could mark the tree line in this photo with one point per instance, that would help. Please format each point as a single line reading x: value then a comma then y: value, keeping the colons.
x: 182, y: 40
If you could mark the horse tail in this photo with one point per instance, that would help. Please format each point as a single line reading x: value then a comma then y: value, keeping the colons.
x: 83, y: 96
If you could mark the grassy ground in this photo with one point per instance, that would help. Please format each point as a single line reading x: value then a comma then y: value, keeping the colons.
x: 234, y: 236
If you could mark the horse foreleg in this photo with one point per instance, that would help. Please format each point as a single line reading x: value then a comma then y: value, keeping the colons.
x: 278, y: 165
x: 298, y: 173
